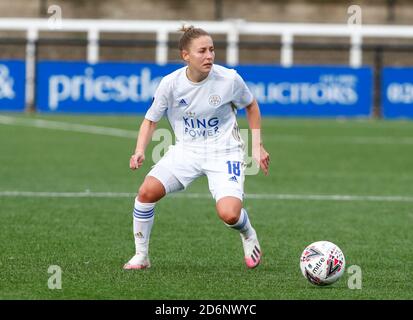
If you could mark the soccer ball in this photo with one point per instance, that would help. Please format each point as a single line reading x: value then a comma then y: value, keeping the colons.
x: 322, y: 263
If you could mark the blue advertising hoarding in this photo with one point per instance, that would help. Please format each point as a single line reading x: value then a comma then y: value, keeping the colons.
x: 129, y: 87
x: 397, y: 92
x: 12, y: 85
x: 102, y: 87
x: 310, y: 91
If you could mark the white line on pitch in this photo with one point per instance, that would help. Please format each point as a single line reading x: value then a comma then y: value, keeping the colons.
x: 83, y: 128
x: 342, y: 139
x: 65, y: 126
x: 262, y: 196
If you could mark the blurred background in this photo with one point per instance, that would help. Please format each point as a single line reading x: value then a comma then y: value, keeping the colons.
x: 383, y: 12
x: 271, y: 42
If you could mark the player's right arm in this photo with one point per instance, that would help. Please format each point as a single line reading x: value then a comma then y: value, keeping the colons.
x: 144, y: 137
x: 153, y: 115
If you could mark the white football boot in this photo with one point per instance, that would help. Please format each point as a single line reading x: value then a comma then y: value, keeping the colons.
x: 138, y: 261
x: 252, y: 250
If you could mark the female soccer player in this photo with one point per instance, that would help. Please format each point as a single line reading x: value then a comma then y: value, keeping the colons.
x: 200, y: 102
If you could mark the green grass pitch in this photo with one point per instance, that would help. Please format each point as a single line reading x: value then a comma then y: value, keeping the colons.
x: 193, y: 255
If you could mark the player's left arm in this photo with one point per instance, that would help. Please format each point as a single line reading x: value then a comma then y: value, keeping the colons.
x: 259, y: 154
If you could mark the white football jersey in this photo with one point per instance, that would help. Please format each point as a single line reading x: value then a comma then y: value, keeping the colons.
x: 203, y: 114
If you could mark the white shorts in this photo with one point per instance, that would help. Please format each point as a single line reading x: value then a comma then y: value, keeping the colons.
x: 225, y: 173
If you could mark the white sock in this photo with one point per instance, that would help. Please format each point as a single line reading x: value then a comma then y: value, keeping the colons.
x: 243, y: 225
x: 143, y: 216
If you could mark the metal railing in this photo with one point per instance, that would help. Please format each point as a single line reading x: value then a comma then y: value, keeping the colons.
x: 233, y: 29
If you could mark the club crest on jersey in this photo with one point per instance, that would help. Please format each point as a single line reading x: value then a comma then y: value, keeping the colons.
x: 214, y: 100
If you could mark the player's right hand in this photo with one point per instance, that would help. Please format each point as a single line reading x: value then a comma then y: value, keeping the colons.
x: 136, y: 160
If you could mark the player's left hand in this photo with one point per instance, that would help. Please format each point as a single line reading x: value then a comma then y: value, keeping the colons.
x: 263, y: 159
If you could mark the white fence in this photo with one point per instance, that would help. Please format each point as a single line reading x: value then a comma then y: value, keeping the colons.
x: 232, y: 28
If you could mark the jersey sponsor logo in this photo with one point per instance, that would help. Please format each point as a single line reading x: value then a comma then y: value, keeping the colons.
x: 233, y: 179
x: 214, y: 100
x: 200, y: 127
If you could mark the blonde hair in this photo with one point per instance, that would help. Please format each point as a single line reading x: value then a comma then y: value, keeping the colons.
x: 190, y: 33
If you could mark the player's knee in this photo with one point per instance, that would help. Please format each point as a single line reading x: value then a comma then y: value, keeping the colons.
x: 229, y: 215
x: 231, y: 219
x: 229, y: 209
x: 148, y: 195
